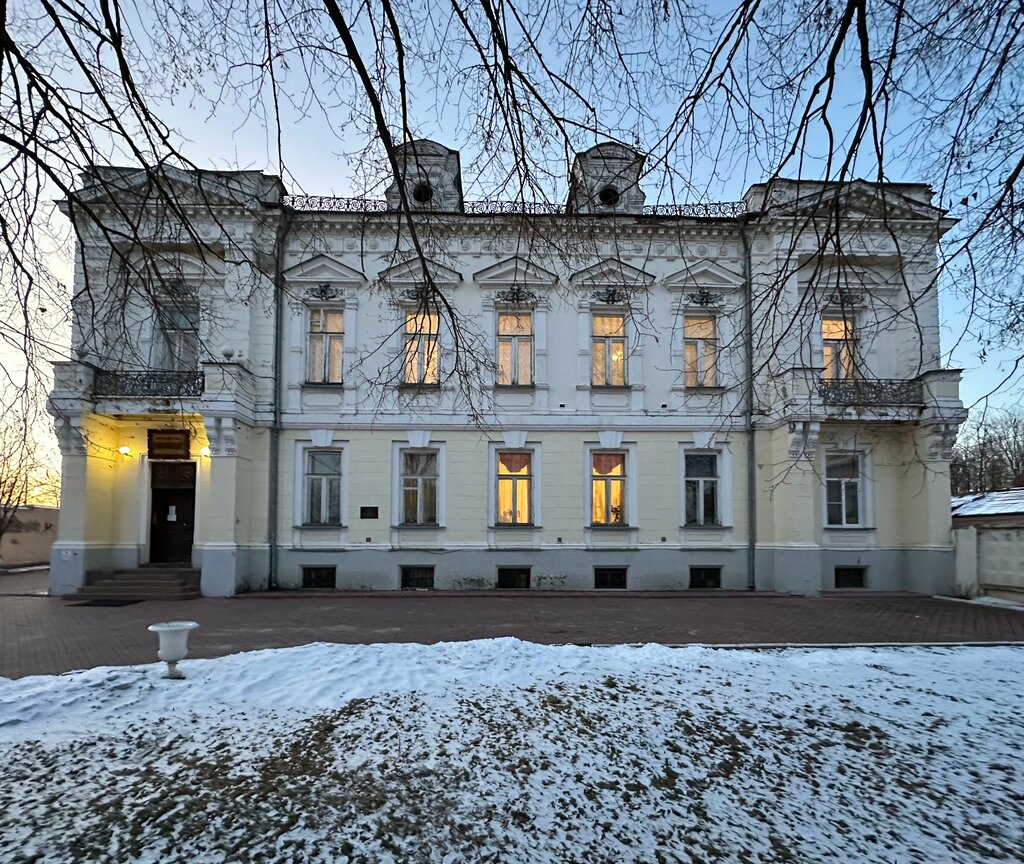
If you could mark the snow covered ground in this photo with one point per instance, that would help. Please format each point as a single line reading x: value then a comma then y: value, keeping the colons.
x: 505, y: 751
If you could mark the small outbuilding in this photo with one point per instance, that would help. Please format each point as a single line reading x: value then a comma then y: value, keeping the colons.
x: 988, y: 528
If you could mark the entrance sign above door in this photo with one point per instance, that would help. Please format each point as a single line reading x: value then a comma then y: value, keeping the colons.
x: 169, y: 444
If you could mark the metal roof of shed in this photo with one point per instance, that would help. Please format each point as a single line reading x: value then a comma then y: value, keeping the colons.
x: 998, y: 503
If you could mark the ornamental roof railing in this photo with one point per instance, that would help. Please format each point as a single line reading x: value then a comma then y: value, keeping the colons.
x: 329, y: 204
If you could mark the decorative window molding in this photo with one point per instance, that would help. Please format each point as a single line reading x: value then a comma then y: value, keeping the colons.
x: 704, y: 298
x: 611, y: 296
x: 516, y: 296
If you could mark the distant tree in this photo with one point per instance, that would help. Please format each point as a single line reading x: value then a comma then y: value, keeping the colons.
x: 989, y: 454
x: 26, y: 477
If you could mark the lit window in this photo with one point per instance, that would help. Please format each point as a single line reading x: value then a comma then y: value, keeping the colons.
x: 842, y: 489
x: 608, y: 351
x: 700, y: 352
x: 515, y: 482
x: 515, y: 349
x: 419, y: 487
x: 608, y: 489
x: 701, y: 478
x: 838, y: 349
x: 421, y: 352
x: 326, y: 346
x: 323, y: 487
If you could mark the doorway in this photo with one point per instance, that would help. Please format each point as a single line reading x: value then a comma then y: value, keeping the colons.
x: 172, y: 517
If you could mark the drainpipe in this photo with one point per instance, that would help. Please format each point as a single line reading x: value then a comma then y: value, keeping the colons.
x: 748, y: 407
x: 283, y: 227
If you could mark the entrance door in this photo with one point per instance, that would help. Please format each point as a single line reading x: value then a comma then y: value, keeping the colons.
x: 174, y: 509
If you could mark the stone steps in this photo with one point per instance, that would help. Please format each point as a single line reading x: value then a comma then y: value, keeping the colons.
x: 140, y: 583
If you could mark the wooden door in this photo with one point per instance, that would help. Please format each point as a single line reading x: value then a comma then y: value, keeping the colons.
x: 172, y: 519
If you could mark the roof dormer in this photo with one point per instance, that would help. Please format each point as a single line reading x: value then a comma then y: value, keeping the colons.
x: 606, y: 179
x: 432, y: 175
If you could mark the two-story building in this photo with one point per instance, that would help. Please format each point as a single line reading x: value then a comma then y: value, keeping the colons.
x: 427, y: 392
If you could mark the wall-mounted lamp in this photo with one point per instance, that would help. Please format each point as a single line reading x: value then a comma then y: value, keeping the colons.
x: 124, y: 450
x: 204, y: 451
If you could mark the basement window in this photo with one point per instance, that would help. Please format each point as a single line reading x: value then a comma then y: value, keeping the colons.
x: 514, y: 578
x: 850, y: 577
x: 606, y: 578
x: 319, y: 577
x: 417, y: 578
x: 705, y: 578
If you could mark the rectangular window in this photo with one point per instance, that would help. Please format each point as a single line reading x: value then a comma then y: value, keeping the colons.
x: 515, y: 349
x: 705, y: 578
x: 515, y: 488
x: 606, y: 578
x: 326, y: 340
x: 319, y: 577
x: 422, y: 362
x: 176, y: 340
x: 513, y: 578
x: 842, y: 489
x: 838, y: 345
x: 700, y: 352
x: 701, y: 492
x: 850, y: 577
x: 608, y: 351
x: 323, y: 487
x: 608, y: 489
x: 414, y: 578
x: 419, y: 487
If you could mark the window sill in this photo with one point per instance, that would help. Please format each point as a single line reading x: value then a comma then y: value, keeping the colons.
x: 699, y: 391
x: 419, y: 388
x: 705, y: 527
x: 619, y: 526
x: 516, y: 388
x: 850, y: 528
x: 519, y: 526
x: 324, y: 385
x: 417, y: 526
x: 607, y: 388
x: 320, y: 526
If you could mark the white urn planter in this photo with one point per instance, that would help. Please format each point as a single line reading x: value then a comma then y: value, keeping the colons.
x: 173, y: 644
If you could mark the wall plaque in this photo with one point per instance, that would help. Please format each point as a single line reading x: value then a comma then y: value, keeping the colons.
x: 169, y: 443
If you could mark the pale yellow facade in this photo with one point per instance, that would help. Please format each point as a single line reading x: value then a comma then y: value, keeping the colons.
x: 670, y: 410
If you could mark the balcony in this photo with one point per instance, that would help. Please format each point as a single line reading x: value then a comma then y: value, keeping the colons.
x: 158, y: 383
x: 876, y: 391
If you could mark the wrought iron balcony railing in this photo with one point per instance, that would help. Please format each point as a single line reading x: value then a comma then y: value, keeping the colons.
x: 876, y: 391
x: 144, y: 384
x: 328, y: 204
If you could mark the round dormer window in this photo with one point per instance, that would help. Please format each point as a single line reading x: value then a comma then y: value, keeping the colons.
x: 422, y: 192
x: 608, y: 196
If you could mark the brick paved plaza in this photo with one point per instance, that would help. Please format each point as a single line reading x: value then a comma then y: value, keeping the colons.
x: 47, y: 635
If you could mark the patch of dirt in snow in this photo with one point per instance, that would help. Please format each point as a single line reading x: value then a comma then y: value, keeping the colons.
x: 700, y: 757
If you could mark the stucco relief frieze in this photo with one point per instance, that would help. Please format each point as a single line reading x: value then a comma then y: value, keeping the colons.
x: 803, y: 439
x: 70, y: 436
